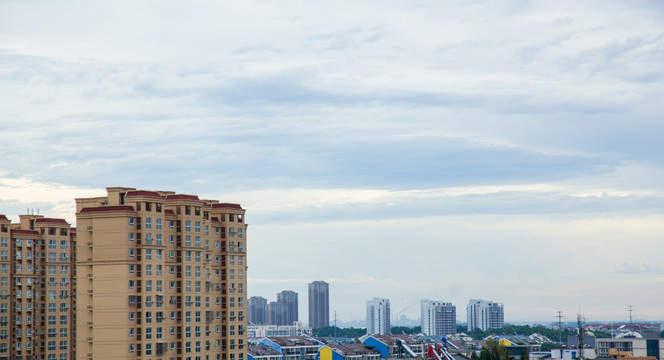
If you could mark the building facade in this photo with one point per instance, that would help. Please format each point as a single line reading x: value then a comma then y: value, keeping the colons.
x: 378, y: 316
x: 288, y: 308
x: 257, y: 308
x: 160, y: 275
x: 438, y: 318
x: 319, y: 304
x: 485, y: 315
x: 36, y: 288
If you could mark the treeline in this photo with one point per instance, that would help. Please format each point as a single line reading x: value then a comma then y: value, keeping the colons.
x: 357, y: 332
x: 476, y: 334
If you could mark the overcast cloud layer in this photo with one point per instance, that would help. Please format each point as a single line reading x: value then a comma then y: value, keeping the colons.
x: 506, y: 150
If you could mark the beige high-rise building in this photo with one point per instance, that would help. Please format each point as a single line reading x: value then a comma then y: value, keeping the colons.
x: 36, y: 288
x: 160, y: 275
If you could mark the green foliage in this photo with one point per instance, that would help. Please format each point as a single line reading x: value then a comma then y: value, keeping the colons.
x: 550, y: 346
x: 492, y: 350
x: 552, y: 334
x: 406, y: 329
x: 601, y: 334
x: 524, y: 355
x: 341, y: 332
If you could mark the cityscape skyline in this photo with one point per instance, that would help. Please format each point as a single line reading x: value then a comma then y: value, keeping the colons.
x: 413, y: 150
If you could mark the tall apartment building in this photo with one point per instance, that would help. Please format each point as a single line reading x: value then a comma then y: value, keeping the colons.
x: 378, y: 316
x: 36, y: 288
x: 288, y: 306
x: 438, y: 318
x: 319, y: 304
x: 160, y: 275
x: 484, y: 315
x: 257, y: 308
x: 275, y: 313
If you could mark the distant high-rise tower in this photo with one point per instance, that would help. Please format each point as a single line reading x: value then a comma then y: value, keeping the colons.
x: 438, y: 318
x: 378, y: 316
x: 257, y: 308
x: 274, y: 313
x: 485, y: 315
x: 319, y: 304
x: 288, y: 306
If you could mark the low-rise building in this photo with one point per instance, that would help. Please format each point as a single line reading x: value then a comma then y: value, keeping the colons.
x: 260, y: 331
x: 347, y: 351
x: 293, y: 347
x: 396, y: 345
x: 262, y: 352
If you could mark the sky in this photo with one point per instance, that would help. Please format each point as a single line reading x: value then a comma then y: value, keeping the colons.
x: 448, y: 150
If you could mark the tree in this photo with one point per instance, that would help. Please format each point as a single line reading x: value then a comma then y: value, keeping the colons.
x: 493, y: 350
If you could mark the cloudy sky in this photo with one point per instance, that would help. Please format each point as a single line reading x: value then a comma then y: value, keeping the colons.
x: 505, y: 150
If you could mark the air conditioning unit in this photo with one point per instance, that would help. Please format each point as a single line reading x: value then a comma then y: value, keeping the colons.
x: 89, y: 323
x: 90, y: 292
x: 89, y: 307
x: 90, y: 340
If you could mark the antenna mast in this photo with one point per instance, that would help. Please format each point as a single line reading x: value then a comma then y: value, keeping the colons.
x: 580, y: 320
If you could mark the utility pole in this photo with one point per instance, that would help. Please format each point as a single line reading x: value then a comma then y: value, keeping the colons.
x: 560, y: 326
x: 630, y: 318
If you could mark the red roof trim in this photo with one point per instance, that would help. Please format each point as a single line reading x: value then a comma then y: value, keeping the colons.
x: 108, y: 208
x: 182, y: 197
x: 28, y: 232
x: 50, y: 220
x: 215, y: 219
x: 227, y: 205
x: 169, y: 212
x: 143, y: 193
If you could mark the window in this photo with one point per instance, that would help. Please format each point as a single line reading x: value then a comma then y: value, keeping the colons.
x: 239, y: 233
x: 197, y: 241
x: 231, y: 232
x: 171, y: 224
x: 131, y: 236
x: 187, y: 240
x: 131, y: 332
x: 131, y: 221
x: 197, y: 226
x: 63, y: 245
x: 158, y: 223
x: 148, y: 223
x: 131, y: 253
x: 159, y: 240
x: 148, y: 254
x: 187, y: 225
x: 51, y: 244
x: 171, y: 254
x: 132, y: 268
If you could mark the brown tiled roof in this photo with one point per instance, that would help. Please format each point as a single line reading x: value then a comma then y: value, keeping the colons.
x: 3, y: 217
x: 292, y: 340
x: 108, y: 208
x: 262, y: 350
x: 21, y: 231
x: 50, y: 220
x: 227, y: 205
x: 143, y: 193
x: 182, y: 197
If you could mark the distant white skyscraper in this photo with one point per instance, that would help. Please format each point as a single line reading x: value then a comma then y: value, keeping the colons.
x: 378, y: 316
x: 438, y: 318
x: 485, y: 315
